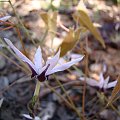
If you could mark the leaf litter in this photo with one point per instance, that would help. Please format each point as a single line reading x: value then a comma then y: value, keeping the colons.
x: 16, y: 96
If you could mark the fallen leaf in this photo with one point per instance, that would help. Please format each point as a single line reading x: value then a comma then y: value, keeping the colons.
x: 70, y: 40
x: 50, y: 19
x: 44, y: 17
x: 81, y: 17
x: 81, y: 6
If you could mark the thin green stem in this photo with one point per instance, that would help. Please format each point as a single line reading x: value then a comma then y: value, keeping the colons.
x: 116, y: 99
x: 63, y: 89
x: 35, y: 97
x: 19, y: 35
x: 37, y: 88
x: 33, y: 103
x: 44, y: 36
x: 112, y: 106
x: 26, y: 31
x: 22, y: 68
x: 6, y: 28
x: 22, y: 63
x: 52, y: 89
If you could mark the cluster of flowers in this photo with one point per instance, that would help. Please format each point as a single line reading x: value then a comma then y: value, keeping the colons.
x: 42, y: 70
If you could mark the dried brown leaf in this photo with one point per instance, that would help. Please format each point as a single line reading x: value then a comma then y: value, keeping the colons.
x: 81, y: 17
x: 70, y: 40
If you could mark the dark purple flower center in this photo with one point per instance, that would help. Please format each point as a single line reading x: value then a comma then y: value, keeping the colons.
x: 33, y: 71
x: 42, y: 76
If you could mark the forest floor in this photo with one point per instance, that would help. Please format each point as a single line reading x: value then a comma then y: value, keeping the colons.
x: 17, y: 88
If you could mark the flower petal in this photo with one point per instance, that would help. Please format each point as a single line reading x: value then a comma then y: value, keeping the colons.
x: 53, y: 61
x: 101, y: 81
x: 64, y: 66
x: 112, y: 84
x: 90, y: 81
x: 30, y: 118
x: 5, y: 18
x: 74, y: 56
x: 38, y: 59
x: 106, y: 82
x: 20, y: 54
x: 1, y: 101
x: 37, y: 118
x: 27, y: 116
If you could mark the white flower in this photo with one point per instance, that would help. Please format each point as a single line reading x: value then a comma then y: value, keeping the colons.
x: 29, y: 117
x: 5, y: 18
x: 73, y: 56
x: 38, y: 69
x: 1, y: 101
x: 101, y: 83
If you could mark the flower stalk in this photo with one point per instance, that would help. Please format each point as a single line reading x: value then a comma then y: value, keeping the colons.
x: 21, y: 24
x: 67, y: 102
x: 63, y: 89
x: 37, y: 88
x: 41, y: 71
x: 33, y: 104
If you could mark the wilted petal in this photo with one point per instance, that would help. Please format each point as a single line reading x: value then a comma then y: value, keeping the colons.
x: 112, y: 84
x: 64, y: 66
x: 5, y: 18
x: 90, y: 81
x: 53, y: 61
x: 20, y: 54
x: 38, y: 59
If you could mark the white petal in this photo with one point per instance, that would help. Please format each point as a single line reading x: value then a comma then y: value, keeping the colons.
x: 19, y: 54
x: 61, y: 61
x: 37, y: 118
x: 64, y: 66
x: 38, y: 59
x: 5, y: 18
x: 1, y: 101
x: 90, y: 81
x: 75, y: 56
x: 53, y: 61
x: 27, y: 116
x: 112, y: 84
x: 106, y: 82
x: 101, y: 81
